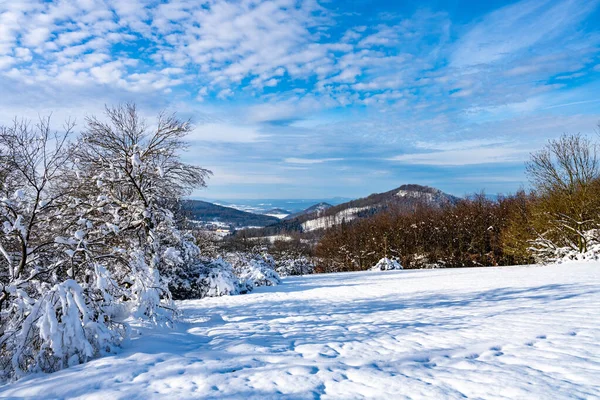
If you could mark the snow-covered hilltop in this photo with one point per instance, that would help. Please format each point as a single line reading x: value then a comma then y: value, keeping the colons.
x: 512, y: 332
x: 324, y: 216
x: 404, y: 196
x: 429, y: 195
x: 277, y: 213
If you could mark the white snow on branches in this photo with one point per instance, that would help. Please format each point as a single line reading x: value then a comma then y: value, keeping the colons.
x: 386, y: 264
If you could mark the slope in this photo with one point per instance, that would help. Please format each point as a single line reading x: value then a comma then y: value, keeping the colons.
x: 493, y: 333
x: 403, y: 198
x: 208, y: 212
x: 317, y: 208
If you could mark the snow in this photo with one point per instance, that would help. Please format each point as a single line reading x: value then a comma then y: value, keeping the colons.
x: 331, y: 220
x: 415, y: 194
x: 278, y: 215
x: 385, y: 264
x: 273, y: 238
x: 512, y: 332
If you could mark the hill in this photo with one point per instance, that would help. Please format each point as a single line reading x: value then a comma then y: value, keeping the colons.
x: 512, y: 332
x: 319, y: 207
x: 403, y: 198
x: 208, y: 212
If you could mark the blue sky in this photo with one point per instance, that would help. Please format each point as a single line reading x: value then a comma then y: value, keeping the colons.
x: 310, y: 99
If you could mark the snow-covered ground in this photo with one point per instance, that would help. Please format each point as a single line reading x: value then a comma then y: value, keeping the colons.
x: 516, y: 332
x: 278, y: 215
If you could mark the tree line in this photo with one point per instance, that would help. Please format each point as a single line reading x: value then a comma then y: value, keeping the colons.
x: 558, y: 218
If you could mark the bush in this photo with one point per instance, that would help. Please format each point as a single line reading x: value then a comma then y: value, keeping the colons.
x: 254, y: 269
x: 385, y: 264
x: 545, y: 251
x: 218, y: 279
x: 295, y: 266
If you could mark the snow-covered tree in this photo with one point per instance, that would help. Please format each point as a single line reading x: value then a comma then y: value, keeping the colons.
x: 254, y: 269
x: 57, y: 307
x: 300, y: 265
x: 138, y: 176
x: 386, y: 264
x: 87, y: 235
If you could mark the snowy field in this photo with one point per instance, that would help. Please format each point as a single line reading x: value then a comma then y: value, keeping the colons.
x: 517, y: 332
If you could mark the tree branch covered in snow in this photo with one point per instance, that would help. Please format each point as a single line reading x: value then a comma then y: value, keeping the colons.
x: 88, y: 237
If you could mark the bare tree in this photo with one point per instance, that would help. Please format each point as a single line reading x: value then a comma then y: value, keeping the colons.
x: 33, y: 160
x: 147, y: 160
x: 565, y: 175
x: 568, y: 165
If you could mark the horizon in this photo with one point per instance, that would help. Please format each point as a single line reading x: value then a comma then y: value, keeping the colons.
x: 313, y: 100
x: 334, y: 200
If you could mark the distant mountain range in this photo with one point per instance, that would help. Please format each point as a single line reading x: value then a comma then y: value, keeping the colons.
x: 264, y: 206
x: 321, y: 215
x: 204, y: 211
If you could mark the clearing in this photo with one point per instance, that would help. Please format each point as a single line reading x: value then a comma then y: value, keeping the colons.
x: 512, y: 332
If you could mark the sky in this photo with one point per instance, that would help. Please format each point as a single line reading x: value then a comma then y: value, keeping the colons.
x: 316, y: 99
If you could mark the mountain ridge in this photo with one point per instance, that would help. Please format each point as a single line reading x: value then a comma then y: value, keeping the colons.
x: 402, y: 198
x: 209, y: 212
x: 314, y: 208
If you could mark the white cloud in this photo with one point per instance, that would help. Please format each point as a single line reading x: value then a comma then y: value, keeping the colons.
x: 248, y: 47
x: 223, y: 45
x: 470, y: 156
x: 23, y: 53
x: 36, y: 36
x: 225, y: 132
x: 296, y: 160
x: 503, y: 33
x: 225, y: 93
x: 107, y: 73
x: 458, y: 144
x: 226, y: 176
x: 573, y: 103
x: 6, y: 61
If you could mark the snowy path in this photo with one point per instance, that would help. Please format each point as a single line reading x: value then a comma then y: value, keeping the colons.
x: 518, y: 332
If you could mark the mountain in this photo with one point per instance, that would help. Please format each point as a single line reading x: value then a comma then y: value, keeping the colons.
x: 319, y: 207
x: 262, y: 206
x: 208, y: 212
x: 403, y: 198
